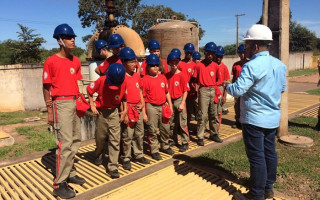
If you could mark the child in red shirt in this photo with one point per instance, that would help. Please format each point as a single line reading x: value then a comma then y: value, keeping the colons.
x: 158, y: 107
x: 111, y: 92
x: 154, y: 48
x: 178, y: 89
x: 132, y: 132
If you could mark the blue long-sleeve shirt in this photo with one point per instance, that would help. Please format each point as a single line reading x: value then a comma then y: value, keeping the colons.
x: 260, y: 84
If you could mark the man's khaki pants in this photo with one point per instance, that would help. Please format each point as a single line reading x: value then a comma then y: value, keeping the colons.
x: 68, y: 138
x: 207, y: 108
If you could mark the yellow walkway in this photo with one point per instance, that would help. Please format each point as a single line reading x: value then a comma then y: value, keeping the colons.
x: 33, y: 179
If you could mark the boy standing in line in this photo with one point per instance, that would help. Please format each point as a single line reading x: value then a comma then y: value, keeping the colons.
x: 178, y: 89
x: 110, y: 94
x: 133, y: 131
x: 60, y: 89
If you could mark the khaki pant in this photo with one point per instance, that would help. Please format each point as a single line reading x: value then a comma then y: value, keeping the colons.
x: 68, y: 138
x: 155, y: 121
x: 178, y: 122
x: 133, y: 136
x: 108, y: 125
x: 207, y: 108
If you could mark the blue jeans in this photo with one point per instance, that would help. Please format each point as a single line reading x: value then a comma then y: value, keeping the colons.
x: 262, y: 155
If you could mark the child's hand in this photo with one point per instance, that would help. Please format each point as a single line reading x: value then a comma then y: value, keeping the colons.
x: 126, y: 119
x: 181, y: 107
x: 145, y: 118
x: 94, y: 110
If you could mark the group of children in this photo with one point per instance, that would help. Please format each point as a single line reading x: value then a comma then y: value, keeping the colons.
x: 160, y: 96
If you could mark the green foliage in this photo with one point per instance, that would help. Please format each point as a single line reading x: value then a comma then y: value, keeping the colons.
x: 7, y: 54
x: 86, y: 38
x: 314, y: 91
x: 301, y: 38
x: 27, y: 49
x: 230, y: 49
x: 201, y: 31
x: 303, y: 72
x: 17, y: 117
x: 93, y: 12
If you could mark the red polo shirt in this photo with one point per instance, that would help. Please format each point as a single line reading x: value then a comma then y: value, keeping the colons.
x: 112, y: 59
x: 62, y: 74
x: 187, y: 69
x: 223, y: 73
x: 107, y: 98
x: 155, y: 89
x: 143, y: 71
x: 132, y: 88
x: 206, y: 75
x: 236, y: 69
x: 177, y: 84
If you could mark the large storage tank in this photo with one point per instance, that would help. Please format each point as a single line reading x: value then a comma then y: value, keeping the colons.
x: 174, y: 34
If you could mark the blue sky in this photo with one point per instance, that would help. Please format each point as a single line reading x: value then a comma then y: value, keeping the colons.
x: 217, y: 18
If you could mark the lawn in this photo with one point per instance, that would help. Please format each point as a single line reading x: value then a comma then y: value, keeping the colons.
x: 303, y: 72
x: 38, y: 138
x: 314, y: 91
x: 18, y: 117
x: 298, y: 171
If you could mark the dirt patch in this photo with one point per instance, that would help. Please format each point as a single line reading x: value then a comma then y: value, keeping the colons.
x: 305, y: 79
x: 11, y: 129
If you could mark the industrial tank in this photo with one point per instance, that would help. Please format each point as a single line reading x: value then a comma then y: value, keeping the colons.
x: 174, y: 34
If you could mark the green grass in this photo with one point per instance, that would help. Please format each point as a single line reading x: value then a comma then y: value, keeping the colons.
x: 38, y: 138
x: 17, y: 117
x: 303, y: 72
x: 296, y: 166
x: 314, y: 91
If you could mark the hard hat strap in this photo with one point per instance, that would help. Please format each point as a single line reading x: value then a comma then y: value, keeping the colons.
x: 62, y: 41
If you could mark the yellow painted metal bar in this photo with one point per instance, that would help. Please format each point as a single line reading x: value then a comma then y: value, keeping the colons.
x: 13, y: 184
x: 3, y: 192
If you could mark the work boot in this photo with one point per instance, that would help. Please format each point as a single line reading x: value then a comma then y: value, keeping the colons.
x: 183, y: 148
x: 225, y: 111
x: 171, y: 142
x: 216, y: 138
x: 114, y: 174
x: 168, y: 151
x: 269, y: 195
x: 156, y: 156
x: 126, y: 165
x: 200, y: 142
x: 247, y: 196
x: 99, y: 160
x: 237, y: 125
x: 64, y: 191
x: 76, y: 180
x: 143, y: 160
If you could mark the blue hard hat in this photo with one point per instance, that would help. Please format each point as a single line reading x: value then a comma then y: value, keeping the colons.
x: 99, y: 44
x: 196, y: 55
x: 115, y: 40
x: 127, y: 53
x: 153, y: 44
x: 189, y: 47
x: 115, y: 74
x: 220, y: 51
x: 210, y: 46
x: 172, y: 56
x: 153, y: 59
x: 241, y: 49
x: 176, y: 50
x: 63, y: 29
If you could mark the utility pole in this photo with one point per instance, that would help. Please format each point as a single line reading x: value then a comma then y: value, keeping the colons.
x: 237, y: 16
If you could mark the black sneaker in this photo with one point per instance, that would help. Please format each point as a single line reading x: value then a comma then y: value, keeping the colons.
x: 183, y: 148
x: 200, y: 142
x: 99, y: 160
x: 224, y: 112
x: 171, y: 143
x: 143, y: 160
x: 237, y: 125
x: 114, y: 174
x: 216, y: 138
x: 269, y: 195
x: 247, y: 196
x: 126, y: 165
x: 64, y: 191
x: 76, y: 180
x: 168, y: 151
x: 156, y: 156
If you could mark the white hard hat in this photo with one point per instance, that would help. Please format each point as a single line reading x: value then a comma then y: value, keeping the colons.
x: 258, y: 32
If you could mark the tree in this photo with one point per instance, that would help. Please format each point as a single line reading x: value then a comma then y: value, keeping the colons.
x: 7, y: 54
x: 301, y: 38
x: 230, y: 49
x: 93, y: 12
x: 27, y: 49
x: 201, y: 31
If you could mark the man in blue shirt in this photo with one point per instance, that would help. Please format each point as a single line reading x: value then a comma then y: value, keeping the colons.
x: 260, y: 84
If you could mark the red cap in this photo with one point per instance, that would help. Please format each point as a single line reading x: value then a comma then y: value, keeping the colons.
x: 82, y: 105
x: 166, y: 113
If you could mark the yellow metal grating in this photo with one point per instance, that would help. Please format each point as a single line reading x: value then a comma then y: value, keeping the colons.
x: 311, y: 113
x: 301, y: 101
x: 179, y: 181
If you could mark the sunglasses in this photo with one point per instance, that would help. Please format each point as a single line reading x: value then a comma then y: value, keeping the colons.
x: 67, y: 37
